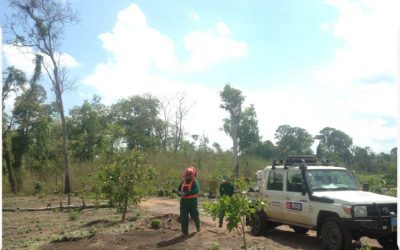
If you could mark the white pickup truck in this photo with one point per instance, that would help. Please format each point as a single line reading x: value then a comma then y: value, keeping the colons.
x: 307, y: 195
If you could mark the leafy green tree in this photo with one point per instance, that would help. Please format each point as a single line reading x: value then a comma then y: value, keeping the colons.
x: 87, y: 125
x: 40, y: 25
x: 236, y: 208
x: 43, y: 146
x: 13, y: 82
x: 138, y: 117
x: 293, y: 140
x: 232, y: 100
x: 267, y: 150
x: 29, y: 112
x: 25, y: 115
x: 241, y: 126
x: 126, y: 179
x: 248, y: 130
x: 363, y: 159
x: 334, y: 145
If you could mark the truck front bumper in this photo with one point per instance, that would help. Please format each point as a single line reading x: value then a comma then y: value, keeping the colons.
x: 372, y: 227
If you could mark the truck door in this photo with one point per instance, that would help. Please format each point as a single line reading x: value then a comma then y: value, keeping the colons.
x: 297, y: 205
x: 275, y: 195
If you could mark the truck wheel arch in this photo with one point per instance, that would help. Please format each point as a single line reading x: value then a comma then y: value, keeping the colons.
x: 322, y: 215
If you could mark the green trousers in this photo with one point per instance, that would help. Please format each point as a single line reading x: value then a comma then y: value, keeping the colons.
x: 189, y: 206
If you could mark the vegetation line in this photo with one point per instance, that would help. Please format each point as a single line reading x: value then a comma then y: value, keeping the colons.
x: 103, y: 205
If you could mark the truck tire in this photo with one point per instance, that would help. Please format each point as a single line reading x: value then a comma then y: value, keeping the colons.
x: 258, y: 223
x: 389, y: 241
x: 334, y: 235
x: 300, y: 230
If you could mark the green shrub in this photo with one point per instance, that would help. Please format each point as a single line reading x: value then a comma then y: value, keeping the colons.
x: 73, y: 214
x: 155, y: 224
x: 125, y: 179
x: 215, y: 246
x: 37, y: 186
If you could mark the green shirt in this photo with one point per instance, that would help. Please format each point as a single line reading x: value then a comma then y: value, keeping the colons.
x: 226, y: 188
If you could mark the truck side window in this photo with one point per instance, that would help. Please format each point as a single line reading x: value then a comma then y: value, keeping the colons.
x: 275, y: 181
x: 294, y: 182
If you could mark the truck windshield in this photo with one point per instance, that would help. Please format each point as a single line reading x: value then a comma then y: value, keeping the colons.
x: 331, y: 180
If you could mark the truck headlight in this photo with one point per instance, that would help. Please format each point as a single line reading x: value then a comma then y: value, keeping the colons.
x: 360, y: 211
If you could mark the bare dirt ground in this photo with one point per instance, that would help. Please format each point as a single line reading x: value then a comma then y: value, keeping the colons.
x: 101, y: 229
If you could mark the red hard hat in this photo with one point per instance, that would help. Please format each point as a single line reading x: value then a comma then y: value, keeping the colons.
x: 191, y: 171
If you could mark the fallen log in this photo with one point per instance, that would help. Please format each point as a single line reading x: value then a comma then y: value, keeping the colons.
x: 102, y: 205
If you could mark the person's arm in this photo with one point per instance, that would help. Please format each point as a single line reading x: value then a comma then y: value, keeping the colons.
x: 179, y: 188
x: 195, y: 189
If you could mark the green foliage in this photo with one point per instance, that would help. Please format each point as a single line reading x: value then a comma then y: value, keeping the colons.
x: 236, y: 208
x: 155, y: 223
x: 293, y: 141
x: 213, y: 185
x: 73, y: 214
x: 126, y: 179
x: 137, y: 115
x: 87, y: 129
x: 334, y: 145
x: 37, y: 186
x: 215, y: 246
x: 364, y: 247
x: 248, y: 130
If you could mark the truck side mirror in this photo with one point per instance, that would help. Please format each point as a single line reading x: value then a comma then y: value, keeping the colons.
x: 365, y: 187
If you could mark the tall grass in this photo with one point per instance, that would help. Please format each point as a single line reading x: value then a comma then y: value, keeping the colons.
x: 170, y: 166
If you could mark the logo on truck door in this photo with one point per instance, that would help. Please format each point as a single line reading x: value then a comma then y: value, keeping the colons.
x: 294, y: 206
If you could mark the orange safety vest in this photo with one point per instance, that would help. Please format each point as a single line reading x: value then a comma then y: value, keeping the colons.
x: 189, y: 186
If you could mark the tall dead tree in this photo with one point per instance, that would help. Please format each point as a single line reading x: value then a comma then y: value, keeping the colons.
x: 181, y: 111
x: 40, y: 24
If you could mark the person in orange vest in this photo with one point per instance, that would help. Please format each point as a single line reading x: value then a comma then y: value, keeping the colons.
x: 188, y: 190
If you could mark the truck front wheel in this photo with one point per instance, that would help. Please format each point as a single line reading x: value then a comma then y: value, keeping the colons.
x: 389, y: 241
x: 334, y: 235
x: 258, y: 223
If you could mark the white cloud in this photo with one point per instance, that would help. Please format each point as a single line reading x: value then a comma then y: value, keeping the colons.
x: 354, y: 93
x: 369, y: 29
x: 211, y: 47
x: 139, y: 55
x: 136, y: 46
x: 19, y: 57
x: 194, y: 16
x: 325, y: 26
x: 358, y: 88
x: 23, y: 58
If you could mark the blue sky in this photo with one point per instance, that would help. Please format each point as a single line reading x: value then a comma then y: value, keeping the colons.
x: 310, y: 64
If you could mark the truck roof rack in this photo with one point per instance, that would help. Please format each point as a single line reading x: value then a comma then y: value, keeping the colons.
x: 299, y: 160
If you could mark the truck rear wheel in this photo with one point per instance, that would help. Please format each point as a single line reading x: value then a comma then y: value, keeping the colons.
x: 258, y: 223
x: 334, y: 235
x: 389, y: 241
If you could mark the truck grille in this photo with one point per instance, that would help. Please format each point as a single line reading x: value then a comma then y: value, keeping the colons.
x: 381, y: 209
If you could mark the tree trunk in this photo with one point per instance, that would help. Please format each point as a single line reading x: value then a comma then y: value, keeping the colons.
x: 59, y: 101
x: 11, y: 178
x: 67, y: 183
x: 125, y: 208
x: 243, y: 232
x: 235, y: 164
